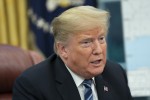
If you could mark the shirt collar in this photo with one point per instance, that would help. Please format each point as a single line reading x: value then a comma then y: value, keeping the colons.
x: 77, y: 79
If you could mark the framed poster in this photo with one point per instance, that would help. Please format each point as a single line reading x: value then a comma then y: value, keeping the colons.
x: 136, y: 25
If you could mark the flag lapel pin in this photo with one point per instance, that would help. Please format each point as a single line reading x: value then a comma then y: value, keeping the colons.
x: 105, y: 89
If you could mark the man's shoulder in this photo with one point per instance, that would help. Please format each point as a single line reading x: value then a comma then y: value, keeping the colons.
x: 113, y: 66
x: 116, y: 76
x: 38, y: 78
x: 42, y: 69
x: 114, y: 71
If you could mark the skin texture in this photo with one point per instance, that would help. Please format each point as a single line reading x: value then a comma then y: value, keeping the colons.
x: 85, y: 52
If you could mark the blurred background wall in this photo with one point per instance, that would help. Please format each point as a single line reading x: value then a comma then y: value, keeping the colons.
x: 26, y: 23
x: 128, y: 42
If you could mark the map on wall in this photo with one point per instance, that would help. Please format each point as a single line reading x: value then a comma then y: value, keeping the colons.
x: 136, y: 25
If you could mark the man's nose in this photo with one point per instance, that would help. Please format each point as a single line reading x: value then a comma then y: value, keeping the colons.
x: 97, y: 48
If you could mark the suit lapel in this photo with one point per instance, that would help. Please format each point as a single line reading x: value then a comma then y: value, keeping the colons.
x: 104, y: 89
x: 65, y: 83
x: 99, y: 87
x: 68, y: 90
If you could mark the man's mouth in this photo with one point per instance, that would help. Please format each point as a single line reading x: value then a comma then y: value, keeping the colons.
x: 96, y: 61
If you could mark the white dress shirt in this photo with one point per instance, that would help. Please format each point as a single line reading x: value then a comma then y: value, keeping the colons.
x: 78, y: 81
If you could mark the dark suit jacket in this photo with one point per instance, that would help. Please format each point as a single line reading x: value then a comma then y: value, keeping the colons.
x: 50, y: 80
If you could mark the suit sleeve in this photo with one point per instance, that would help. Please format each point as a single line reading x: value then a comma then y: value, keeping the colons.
x: 24, y: 90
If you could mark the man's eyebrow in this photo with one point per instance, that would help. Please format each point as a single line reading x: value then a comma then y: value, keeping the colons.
x: 103, y: 34
x: 86, y: 39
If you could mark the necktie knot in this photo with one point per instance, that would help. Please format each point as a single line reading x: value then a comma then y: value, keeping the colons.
x: 87, y: 83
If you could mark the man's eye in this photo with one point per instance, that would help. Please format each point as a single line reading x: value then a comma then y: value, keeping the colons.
x: 86, y: 43
x: 102, y: 39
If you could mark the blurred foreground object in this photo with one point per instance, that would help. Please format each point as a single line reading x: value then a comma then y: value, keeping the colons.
x: 13, y: 61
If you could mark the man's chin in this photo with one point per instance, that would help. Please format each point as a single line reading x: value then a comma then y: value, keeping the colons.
x: 98, y: 71
x: 93, y: 74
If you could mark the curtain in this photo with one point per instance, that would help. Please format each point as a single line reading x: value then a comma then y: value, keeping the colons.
x: 14, y: 23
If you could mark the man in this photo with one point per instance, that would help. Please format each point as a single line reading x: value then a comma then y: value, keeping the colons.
x: 80, y: 47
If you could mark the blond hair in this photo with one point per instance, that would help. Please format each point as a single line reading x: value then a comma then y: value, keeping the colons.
x: 78, y: 19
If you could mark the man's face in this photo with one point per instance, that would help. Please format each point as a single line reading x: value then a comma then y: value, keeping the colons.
x: 86, y: 53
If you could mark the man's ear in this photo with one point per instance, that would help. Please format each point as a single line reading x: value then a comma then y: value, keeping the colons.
x: 62, y: 50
